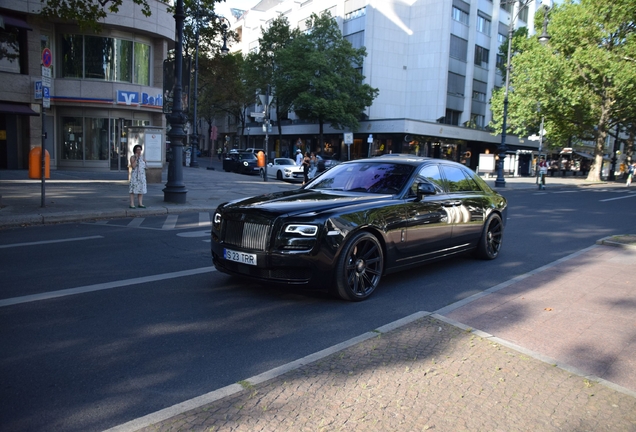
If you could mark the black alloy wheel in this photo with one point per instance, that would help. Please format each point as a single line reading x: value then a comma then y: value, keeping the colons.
x: 279, y: 175
x: 360, y: 267
x: 491, y: 238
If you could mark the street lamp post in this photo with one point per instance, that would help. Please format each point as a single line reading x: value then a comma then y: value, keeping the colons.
x: 175, y: 190
x: 501, y: 181
x: 248, y: 137
x: 194, y: 139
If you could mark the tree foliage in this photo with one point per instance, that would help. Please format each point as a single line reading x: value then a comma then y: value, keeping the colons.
x: 318, y: 76
x: 583, y: 81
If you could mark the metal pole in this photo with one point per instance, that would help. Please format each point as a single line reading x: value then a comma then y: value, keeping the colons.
x: 612, y: 173
x: 43, y: 161
x: 501, y: 181
x: 175, y: 190
x: 266, y: 123
x: 195, y: 131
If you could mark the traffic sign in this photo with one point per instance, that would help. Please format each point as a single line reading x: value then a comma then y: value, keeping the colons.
x: 46, y: 97
x: 46, y: 72
x: 348, y: 138
x: 257, y: 114
x: 47, y: 57
x: 46, y: 81
x: 37, y: 88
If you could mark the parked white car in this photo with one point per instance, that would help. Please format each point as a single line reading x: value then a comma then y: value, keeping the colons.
x: 285, y: 169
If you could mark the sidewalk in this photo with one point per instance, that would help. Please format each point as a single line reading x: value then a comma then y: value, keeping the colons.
x: 546, y: 351
x: 550, y: 350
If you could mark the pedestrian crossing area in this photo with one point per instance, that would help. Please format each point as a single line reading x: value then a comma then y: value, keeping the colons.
x: 186, y: 221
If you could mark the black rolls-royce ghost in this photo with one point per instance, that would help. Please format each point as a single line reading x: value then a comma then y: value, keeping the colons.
x: 358, y: 221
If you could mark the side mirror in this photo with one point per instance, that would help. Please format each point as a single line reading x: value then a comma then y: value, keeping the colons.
x: 424, y: 189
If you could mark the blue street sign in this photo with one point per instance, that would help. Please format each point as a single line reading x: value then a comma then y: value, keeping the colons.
x: 38, y: 89
x: 46, y: 93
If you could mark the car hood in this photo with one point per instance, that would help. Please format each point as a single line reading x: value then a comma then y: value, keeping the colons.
x: 302, y: 201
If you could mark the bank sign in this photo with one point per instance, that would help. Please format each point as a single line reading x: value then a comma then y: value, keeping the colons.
x: 132, y: 99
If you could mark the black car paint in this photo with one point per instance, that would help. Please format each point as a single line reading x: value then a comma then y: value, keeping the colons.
x: 411, y: 230
x: 241, y: 162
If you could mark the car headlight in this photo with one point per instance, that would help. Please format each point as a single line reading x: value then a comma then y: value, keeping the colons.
x: 287, y: 171
x: 303, y: 230
x: 245, y: 163
x: 217, y: 218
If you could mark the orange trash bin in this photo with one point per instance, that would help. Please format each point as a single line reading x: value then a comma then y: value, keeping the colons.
x: 35, y: 163
x: 261, y: 159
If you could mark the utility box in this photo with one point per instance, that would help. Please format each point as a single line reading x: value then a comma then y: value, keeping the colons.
x: 35, y: 163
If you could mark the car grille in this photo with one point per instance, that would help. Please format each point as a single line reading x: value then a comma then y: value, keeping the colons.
x: 246, y: 235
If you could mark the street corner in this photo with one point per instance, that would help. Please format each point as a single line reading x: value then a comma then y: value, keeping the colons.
x: 621, y: 240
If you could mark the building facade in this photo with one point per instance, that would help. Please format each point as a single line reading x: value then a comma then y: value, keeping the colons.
x: 104, y: 91
x: 435, y: 63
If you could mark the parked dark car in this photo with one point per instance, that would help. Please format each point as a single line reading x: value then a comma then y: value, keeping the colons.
x: 358, y: 221
x: 241, y: 162
x: 325, y: 163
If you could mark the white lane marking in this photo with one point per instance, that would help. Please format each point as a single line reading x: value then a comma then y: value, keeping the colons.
x: 135, y: 223
x: 617, y: 198
x: 194, y: 234
x: 170, y: 223
x: 204, y: 219
x: 48, y: 242
x: 103, y: 286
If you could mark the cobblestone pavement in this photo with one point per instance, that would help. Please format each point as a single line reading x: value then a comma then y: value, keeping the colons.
x: 427, y: 375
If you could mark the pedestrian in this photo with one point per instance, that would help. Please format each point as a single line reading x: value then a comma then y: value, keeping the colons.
x: 137, y: 177
x: 543, y: 171
x: 630, y: 173
x: 306, y: 162
x: 313, y: 165
x: 299, y: 157
x: 219, y: 152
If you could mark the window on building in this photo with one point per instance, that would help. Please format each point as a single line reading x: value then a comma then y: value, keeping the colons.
x: 458, y: 48
x: 479, y: 91
x: 356, y: 14
x: 356, y: 39
x: 507, y: 6
x: 456, y: 84
x: 523, y: 14
x: 501, y: 38
x: 481, y: 56
x: 501, y: 61
x: 13, y: 47
x: 107, y: 59
x: 483, y: 24
x: 452, y: 117
x: 460, y: 15
x: 478, y: 121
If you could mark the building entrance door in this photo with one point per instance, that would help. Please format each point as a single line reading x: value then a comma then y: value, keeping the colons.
x: 119, y: 144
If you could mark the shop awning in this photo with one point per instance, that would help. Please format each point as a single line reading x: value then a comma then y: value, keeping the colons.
x: 15, y: 22
x: 588, y: 156
x: 19, y: 109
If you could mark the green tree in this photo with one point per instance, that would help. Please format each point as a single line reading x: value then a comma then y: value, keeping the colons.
x: 584, y: 79
x: 262, y: 65
x: 318, y: 76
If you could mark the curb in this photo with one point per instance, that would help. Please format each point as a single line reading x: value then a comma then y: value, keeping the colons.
x: 625, y: 241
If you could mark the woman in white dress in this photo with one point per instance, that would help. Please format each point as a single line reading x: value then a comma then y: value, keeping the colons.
x: 137, y: 177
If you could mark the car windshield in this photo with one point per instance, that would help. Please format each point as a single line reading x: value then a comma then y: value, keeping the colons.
x: 247, y: 156
x: 367, y: 177
x: 284, y: 162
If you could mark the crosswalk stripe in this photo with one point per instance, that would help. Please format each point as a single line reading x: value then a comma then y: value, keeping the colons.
x: 170, y: 223
x: 136, y: 222
x: 204, y: 219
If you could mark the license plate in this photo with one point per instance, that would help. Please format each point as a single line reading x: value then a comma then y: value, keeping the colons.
x: 239, y: 257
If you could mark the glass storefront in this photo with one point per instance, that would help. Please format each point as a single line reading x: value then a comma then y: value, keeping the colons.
x: 86, y: 141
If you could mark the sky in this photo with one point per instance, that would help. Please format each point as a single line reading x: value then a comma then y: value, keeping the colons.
x: 223, y: 8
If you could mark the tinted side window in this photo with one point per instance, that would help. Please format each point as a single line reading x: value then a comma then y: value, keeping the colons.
x: 458, y: 181
x: 428, y: 174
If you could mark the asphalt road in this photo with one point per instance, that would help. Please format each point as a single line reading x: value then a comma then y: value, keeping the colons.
x: 151, y: 324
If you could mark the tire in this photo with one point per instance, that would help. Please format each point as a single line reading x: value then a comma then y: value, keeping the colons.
x: 279, y: 176
x: 359, y: 268
x: 491, y: 238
